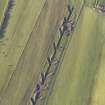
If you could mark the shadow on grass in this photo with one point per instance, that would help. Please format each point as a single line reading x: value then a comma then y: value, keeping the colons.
x: 6, y: 18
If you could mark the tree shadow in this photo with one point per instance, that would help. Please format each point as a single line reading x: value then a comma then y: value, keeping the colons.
x: 6, y: 18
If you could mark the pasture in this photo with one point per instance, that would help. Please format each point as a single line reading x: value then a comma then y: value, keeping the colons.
x: 76, y: 77
x: 16, y: 37
x: 27, y: 48
x: 27, y: 42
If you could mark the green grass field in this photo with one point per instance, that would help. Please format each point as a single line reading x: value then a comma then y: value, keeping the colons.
x: 74, y: 81
x: 27, y: 42
x: 16, y: 36
x: 98, y: 90
x: 38, y: 38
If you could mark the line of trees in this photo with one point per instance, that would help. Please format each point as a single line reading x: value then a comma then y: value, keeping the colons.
x: 6, y: 17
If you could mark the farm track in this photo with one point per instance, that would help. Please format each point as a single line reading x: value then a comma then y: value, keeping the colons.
x: 24, y: 68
